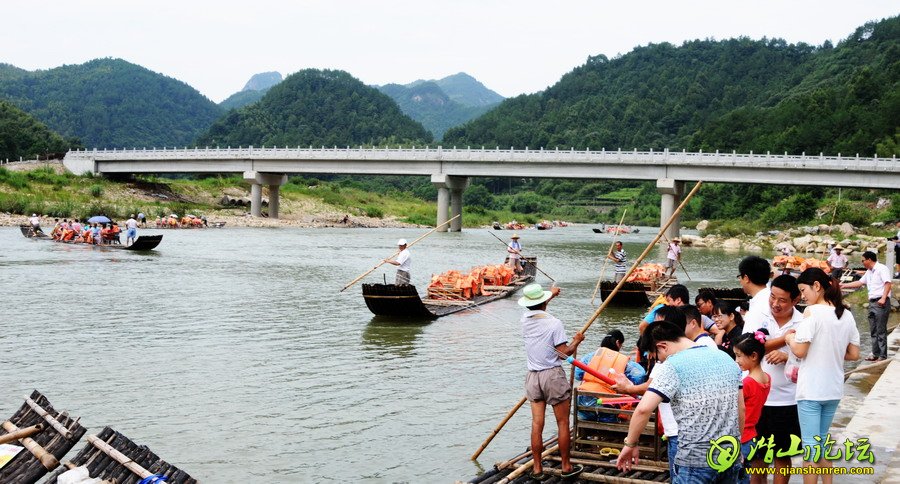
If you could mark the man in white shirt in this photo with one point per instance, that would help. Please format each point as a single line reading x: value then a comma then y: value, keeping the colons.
x: 693, y: 327
x: 131, y: 232
x: 877, y: 280
x: 779, y: 417
x: 838, y: 262
x: 753, y: 274
x: 514, y: 253
x: 673, y: 255
x: 403, y: 262
x: 35, y: 224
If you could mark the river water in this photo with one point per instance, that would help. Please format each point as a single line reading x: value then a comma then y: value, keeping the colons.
x: 232, y: 354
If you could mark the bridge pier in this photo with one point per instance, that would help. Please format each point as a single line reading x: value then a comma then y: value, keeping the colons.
x: 449, y: 201
x: 671, y: 191
x: 257, y: 180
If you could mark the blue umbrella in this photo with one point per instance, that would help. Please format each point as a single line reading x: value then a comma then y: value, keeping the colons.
x: 98, y: 219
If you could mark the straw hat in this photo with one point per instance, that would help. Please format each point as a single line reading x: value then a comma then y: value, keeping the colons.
x: 534, y: 294
x: 401, y: 242
x: 838, y: 247
x: 514, y: 236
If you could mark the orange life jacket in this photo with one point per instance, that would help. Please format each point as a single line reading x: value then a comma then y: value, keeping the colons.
x: 604, y: 361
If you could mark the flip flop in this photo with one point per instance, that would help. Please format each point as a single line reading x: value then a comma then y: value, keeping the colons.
x: 577, y: 469
x: 539, y: 477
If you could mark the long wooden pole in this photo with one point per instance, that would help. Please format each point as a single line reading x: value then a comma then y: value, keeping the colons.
x: 524, y: 467
x: 679, y: 261
x: 606, y: 259
x: 49, y: 418
x: 497, y: 429
x: 354, y: 281
x: 526, y: 260
x: 119, y: 457
x: 47, y: 459
x: 634, y: 266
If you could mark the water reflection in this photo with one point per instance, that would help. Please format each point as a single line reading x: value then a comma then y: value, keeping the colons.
x: 388, y: 335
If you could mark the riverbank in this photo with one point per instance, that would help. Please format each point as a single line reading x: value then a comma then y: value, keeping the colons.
x: 808, y: 241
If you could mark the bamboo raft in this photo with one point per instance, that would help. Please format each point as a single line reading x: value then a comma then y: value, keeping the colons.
x: 404, y: 301
x: 734, y: 296
x: 49, y: 436
x: 142, y: 243
x: 636, y: 294
x: 115, y: 458
x: 595, y: 445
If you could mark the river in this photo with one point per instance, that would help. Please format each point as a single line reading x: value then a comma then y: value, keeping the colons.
x: 232, y: 354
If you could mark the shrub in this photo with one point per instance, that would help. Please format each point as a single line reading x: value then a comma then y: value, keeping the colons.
x: 373, y: 212
x: 96, y: 191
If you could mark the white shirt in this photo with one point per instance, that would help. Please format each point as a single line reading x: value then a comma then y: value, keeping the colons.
x: 131, y: 223
x: 517, y: 246
x: 758, y: 311
x: 782, y: 391
x: 670, y: 426
x: 404, y: 260
x: 542, y: 333
x: 821, y: 375
x: 837, y: 261
x: 875, y: 279
x: 35, y: 220
x: 673, y: 252
x: 705, y: 340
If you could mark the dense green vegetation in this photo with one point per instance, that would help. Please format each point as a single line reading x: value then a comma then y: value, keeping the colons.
x: 466, y: 90
x: 110, y: 103
x: 253, y: 91
x: 316, y: 107
x: 428, y: 104
x: 23, y: 136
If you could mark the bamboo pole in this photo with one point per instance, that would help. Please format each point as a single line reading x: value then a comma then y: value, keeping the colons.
x: 354, y: 281
x: 497, y: 429
x: 636, y: 263
x: 507, y: 463
x: 606, y: 259
x: 20, y: 434
x: 119, y: 457
x: 49, y: 418
x: 526, y: 260
x: 868, y: 367
x: 46, y: 458
x: 679, y: 260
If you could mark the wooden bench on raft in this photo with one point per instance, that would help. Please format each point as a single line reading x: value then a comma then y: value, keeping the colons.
x: 45, y: 436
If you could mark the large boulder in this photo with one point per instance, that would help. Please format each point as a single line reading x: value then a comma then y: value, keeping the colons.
x: 779, y: 247
x: 847, y: 229
x: 690, y: 240
x: 732, y: 244
x: 703, y: 225
x: 801, y: 243
x: 824, y: 229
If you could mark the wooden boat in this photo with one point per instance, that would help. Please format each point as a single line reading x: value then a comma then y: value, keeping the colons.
x: 612, y: 229
x: 404, y: 301
x: 142, y: 243
x: 112, y: 457
x: 44, y: 449
x: 638, y: 293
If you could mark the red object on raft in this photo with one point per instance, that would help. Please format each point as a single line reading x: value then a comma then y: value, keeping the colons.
x: 606, y: 379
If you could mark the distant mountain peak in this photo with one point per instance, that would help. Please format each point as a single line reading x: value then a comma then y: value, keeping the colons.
x: 262, y: 81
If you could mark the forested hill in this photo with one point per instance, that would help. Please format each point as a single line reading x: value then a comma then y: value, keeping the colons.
x: 731, y: 94
x: 23, y: 136
x: 317, y: 107
x: 428, y: 104
x: 110, y: 103
x: 253, y: 91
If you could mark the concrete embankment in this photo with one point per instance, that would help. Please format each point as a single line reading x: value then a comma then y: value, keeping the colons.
x: 876, y: 418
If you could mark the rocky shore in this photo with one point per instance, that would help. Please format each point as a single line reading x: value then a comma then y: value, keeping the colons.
x: 812, y: 240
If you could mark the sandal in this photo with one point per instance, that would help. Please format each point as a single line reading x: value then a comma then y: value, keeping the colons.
x: 577, y: 469
x: 539, y: 477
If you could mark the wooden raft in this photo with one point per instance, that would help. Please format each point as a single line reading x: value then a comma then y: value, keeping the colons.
x: 113, y: 457
x: 43, y: 449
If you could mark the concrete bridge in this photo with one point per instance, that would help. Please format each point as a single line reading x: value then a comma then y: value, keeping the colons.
x: 451, y: 169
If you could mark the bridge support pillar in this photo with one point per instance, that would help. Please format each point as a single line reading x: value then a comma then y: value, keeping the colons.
x: 449, y: 201
x: 671, y: 191
x: 257, y: 180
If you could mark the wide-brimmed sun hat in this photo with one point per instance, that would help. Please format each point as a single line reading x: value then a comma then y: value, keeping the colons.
x: 514, y: 236
x: 838, y: 247
x: 401, y: 242
x: 534, y: 294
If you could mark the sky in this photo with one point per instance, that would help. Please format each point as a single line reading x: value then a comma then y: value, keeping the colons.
x: 513, y: 47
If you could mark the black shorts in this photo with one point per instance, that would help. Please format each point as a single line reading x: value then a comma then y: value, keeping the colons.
x: 780, y: 422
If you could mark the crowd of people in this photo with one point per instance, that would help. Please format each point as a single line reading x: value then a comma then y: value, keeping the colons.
x: 769, y: 377
x: 79, y: 231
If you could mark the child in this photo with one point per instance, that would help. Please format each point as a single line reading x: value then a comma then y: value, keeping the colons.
x: 749, y: 350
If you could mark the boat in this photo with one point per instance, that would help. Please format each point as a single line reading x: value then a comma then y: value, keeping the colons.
x: 496, y: 226
x: 113, y: 457
x: 545, y: 225
x: 40, y: 452
x: 646, y: 283
x: 142, y: 243
x: 404, y: 301
x: 622, y: 229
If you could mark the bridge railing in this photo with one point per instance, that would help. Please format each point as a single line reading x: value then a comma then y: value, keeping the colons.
x: 428, y: 153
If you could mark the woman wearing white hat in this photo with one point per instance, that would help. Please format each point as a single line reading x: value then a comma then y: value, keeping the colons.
x: 514, y: 253
x: 403, y: 262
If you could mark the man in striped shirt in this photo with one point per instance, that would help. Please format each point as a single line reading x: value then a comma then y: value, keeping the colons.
x: 621, y: 259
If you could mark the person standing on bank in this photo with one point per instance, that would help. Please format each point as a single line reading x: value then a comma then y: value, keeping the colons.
x: 878, y: 282
x: 514, y: 253
x: 621, y: 260
x: 546, y: 382
x: 403, y: 262
x: 673, y: 255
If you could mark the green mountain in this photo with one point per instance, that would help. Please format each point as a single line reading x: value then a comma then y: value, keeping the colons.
x: 316, y: 107
x: 110, y: 103
x: 253, y: 91
x: 23, y: 136
x: 428, y: 104
x: 467, y: 91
